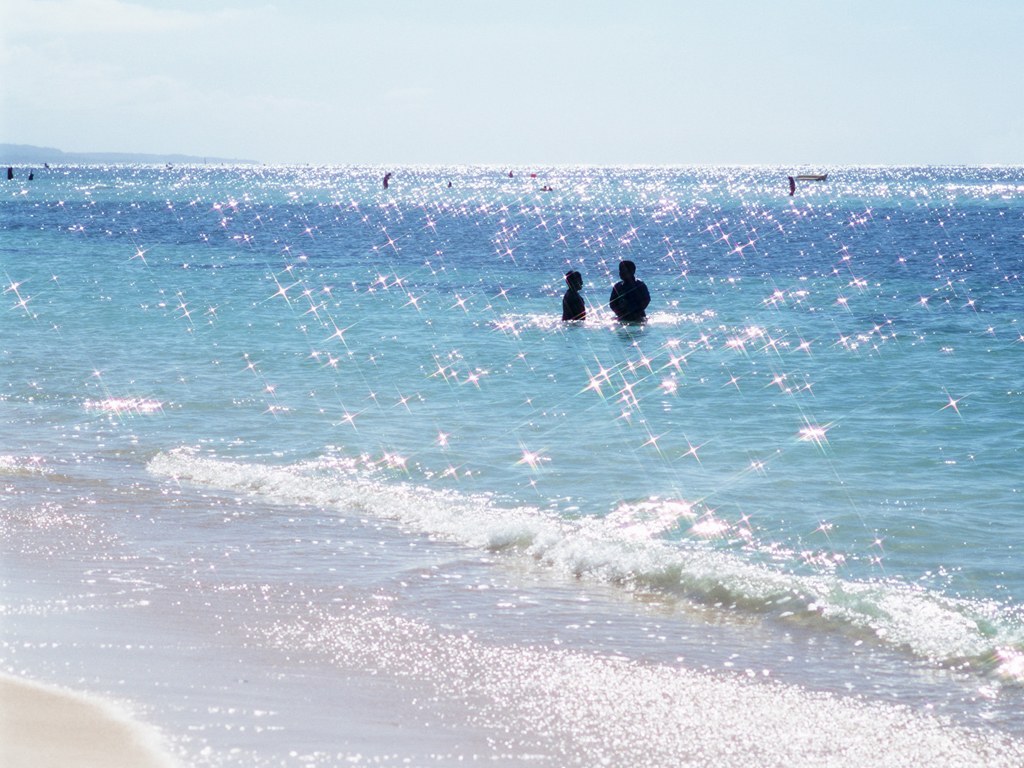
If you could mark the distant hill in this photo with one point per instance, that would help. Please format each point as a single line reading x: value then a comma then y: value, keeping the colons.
x: 21, y: 154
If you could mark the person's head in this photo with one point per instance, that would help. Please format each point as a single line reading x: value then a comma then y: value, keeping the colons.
x: 627, y: 270
x: 574, y: 279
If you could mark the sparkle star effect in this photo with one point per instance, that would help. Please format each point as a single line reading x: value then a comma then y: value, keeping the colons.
x: 953, y: 403
x: 532, y: 459
x: 815, y: 433
x: 21, y: 301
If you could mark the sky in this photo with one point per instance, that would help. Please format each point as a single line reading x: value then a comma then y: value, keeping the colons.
x: 522, y: 82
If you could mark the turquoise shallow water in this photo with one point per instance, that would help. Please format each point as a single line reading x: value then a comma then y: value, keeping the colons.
x: 821, y: 427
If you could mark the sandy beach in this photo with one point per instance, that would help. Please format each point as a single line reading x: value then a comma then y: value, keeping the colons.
x: 42, y: 726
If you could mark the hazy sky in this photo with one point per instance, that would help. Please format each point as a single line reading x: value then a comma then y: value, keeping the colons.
x: 819, y: 82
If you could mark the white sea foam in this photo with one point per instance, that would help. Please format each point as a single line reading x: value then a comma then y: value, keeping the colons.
x: 623, y: 549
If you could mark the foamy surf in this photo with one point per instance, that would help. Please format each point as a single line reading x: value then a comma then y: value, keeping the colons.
x: 624, y: 548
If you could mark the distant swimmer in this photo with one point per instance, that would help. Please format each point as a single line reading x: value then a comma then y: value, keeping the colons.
x: 630, y: 296
x: 546, y: 188
x: 573, y: 307
x: 511, y: 175
x: 792, y: 186
x: 10, y: 173
x: 31, y: 175
x: 387, y: 178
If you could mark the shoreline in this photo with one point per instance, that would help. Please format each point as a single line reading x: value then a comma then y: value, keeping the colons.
x: 92, y: 731
x: 260, y: 675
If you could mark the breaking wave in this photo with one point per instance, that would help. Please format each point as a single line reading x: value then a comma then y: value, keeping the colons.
x: 624, y: 548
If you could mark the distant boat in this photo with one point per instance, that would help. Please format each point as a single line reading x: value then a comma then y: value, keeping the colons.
x: 812, y: 177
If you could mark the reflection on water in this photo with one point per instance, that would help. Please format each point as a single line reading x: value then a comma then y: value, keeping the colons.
x: 819, y: 423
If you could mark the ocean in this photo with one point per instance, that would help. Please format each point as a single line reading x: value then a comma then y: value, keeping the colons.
x: 309, y: 471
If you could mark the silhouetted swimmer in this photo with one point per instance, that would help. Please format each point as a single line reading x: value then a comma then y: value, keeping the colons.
x: 10, y: 173
x: 792, y: 186
x: 387, y: 178
x: 573, y: 307
x: 630, y: 296
x: 449, y: 185
x: 510, y: 174
x: 31, y: 175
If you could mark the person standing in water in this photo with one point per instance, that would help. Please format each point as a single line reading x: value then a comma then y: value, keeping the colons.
x: 573, y: 307
x: 630, y: 296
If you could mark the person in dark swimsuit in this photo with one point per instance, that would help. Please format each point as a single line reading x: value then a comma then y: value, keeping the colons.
x: 630, y: 296
x: 573, y: 307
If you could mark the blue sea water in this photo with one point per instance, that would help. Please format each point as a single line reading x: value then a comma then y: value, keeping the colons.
x: 285, y: 402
